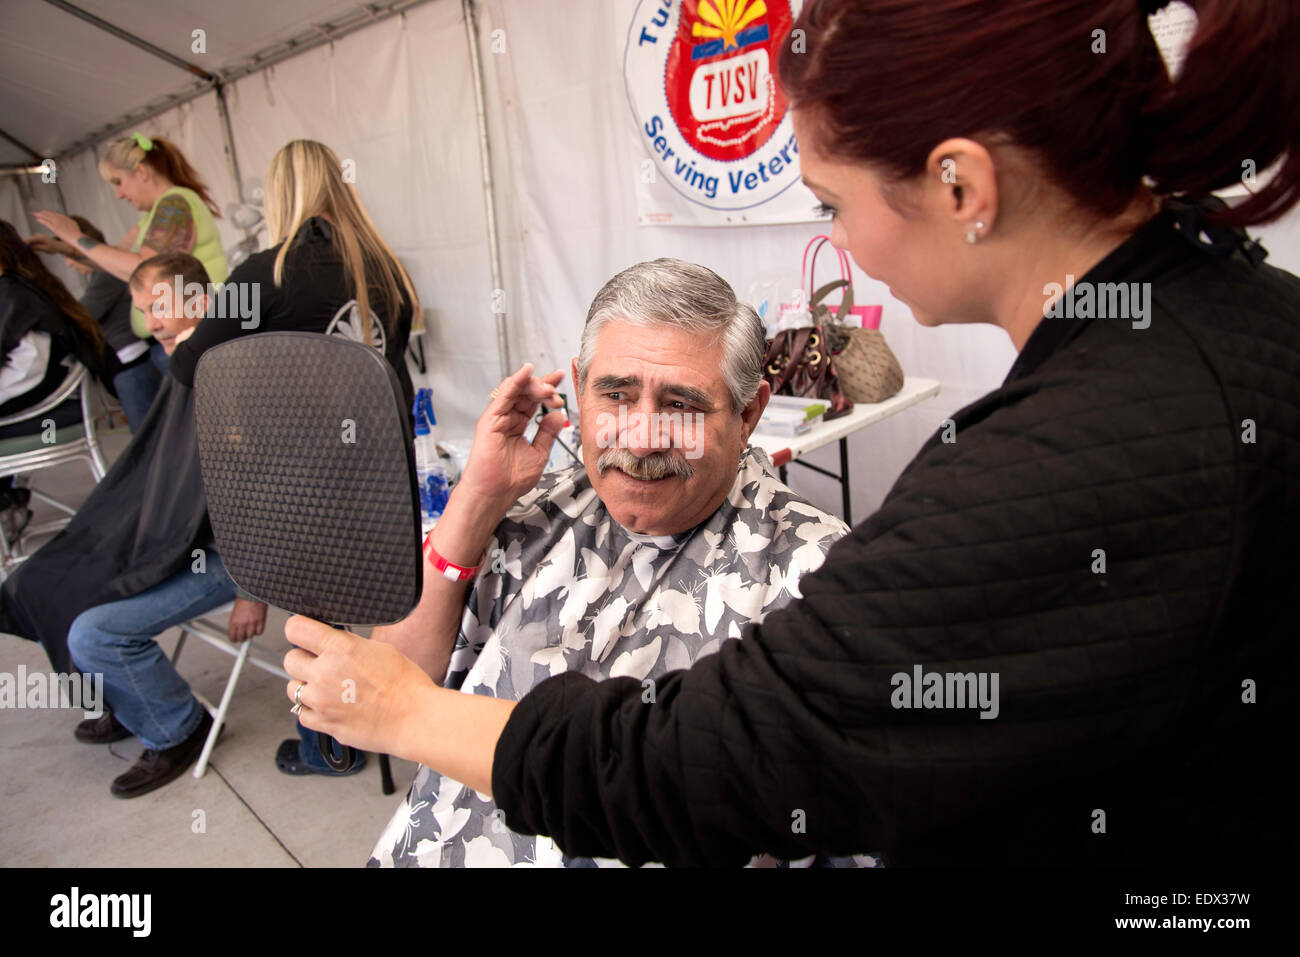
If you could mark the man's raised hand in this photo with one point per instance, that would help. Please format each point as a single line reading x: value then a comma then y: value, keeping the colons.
x: 503, y: 465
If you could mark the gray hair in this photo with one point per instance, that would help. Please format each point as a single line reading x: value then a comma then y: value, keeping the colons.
x: 670, y: 292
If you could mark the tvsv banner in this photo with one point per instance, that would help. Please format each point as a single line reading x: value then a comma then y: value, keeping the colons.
x: 715, y: 128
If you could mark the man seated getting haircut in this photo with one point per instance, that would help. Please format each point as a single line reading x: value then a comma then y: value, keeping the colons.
x: 670, y: 536
x: 147, y: 696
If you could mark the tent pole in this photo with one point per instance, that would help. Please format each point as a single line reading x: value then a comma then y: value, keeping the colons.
x: 489, y: 195
x: 132, y: 39
x: 36, y: 157
x: 229, y: 135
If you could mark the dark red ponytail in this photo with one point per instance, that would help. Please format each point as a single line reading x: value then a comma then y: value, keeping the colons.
x: 887, y: 80
x: 1234, y: 108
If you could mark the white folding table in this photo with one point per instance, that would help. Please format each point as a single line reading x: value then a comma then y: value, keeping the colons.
x: 785, y: 449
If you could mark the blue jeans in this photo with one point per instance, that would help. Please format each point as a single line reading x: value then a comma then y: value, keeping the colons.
x: 136, y: 388
x: 159, y: 357
x: 117, y: 640
x: 309, y: 752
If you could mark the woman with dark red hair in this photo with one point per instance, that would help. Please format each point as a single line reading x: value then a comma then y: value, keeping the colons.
x: 1065, y: 637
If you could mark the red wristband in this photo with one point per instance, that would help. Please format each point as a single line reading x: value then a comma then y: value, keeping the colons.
x: 450, y: 570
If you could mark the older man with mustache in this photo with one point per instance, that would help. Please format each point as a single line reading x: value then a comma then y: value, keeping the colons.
x: 671, y: 537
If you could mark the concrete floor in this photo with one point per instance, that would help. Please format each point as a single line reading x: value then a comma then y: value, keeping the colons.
x: 57, y: 809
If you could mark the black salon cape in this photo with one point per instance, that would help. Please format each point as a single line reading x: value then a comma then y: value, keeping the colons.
x: 1146, y: 709
x: 138, y: 527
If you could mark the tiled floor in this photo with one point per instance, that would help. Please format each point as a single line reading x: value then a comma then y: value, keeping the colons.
x: 57, y: 809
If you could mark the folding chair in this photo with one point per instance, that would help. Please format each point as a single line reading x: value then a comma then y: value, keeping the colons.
x: 28, y: 453
x: 207, y: 629
x: 210, y: 631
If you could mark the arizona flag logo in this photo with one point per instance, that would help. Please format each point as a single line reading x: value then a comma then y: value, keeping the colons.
x: 721, y: 87
x: 701, y: 77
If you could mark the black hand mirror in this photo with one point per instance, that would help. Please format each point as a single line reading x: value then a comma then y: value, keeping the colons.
x: 308, y: 467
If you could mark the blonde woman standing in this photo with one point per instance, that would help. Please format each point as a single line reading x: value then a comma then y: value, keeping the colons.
x: 327, y: 268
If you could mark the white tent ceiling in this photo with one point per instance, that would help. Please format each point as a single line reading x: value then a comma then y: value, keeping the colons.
x: 65, y: 80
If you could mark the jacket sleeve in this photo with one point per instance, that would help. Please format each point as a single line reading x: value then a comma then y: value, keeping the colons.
x: 983, y: 559
x: 21, y: 311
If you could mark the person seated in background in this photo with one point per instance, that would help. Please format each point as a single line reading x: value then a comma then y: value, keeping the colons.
x: 131, y: 547
x: 670, y: 537
x: 153, y: 289
x: 108, y: 301
x: 146, y: 696
x: 41, y: 326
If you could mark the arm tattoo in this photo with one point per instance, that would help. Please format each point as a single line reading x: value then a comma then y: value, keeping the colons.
x: 172, y: 228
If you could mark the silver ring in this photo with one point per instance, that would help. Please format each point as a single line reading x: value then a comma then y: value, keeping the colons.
x: 297, y: 698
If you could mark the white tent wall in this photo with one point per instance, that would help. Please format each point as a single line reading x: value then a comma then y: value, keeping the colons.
x: 12, y: 208
x: 397, y: 98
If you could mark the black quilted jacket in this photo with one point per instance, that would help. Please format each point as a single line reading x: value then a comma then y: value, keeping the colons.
x: 1142, y: 709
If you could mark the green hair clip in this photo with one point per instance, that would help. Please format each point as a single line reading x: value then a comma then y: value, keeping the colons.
x: 142, y: 141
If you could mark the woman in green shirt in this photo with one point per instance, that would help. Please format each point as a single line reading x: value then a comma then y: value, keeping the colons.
x: 178, y: 216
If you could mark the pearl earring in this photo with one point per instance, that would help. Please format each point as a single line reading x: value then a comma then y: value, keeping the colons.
x: 973, y: 234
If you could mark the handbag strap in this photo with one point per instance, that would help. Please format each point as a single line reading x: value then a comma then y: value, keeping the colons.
x: 807, y: 271
x: 795, y: 341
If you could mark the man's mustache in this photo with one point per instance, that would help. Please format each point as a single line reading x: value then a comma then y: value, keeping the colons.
x: 656, y: 465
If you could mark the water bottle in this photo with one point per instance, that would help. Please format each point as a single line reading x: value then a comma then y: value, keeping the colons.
x: 431, y: 475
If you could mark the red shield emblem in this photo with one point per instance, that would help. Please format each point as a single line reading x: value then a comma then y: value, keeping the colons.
x: 720, y: 76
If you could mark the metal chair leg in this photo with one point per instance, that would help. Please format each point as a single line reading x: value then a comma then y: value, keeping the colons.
x: 219, y: 718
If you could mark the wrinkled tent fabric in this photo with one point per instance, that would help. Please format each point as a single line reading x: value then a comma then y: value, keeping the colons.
x: 138, y: 527
x: 397, y: 99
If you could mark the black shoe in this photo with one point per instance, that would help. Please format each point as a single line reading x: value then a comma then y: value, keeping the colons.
x: 156, y: 768
x: 12, y: 496
x: 13, y: 521
x: 288, y: 758
x: 102, y: 730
